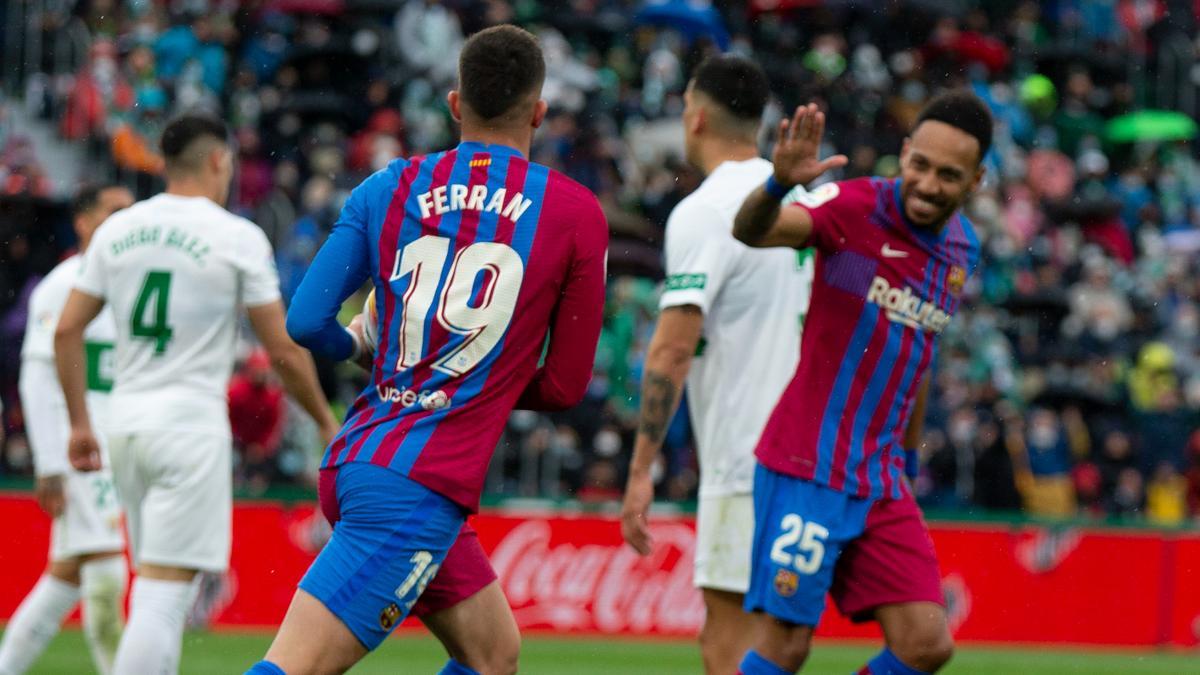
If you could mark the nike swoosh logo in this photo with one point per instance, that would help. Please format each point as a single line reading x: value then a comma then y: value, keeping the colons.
x: 889, y: 252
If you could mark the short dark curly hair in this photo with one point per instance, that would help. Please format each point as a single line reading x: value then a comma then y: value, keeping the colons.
x: 88, y: 196
x: 182, y: 132
x: 962, y: 110
x: 499, y: 68
x: 735, y: 83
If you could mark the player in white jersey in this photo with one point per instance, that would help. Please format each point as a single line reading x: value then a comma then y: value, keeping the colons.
x: 174, y: 269
x: 86, y: 560
x: 730, y: 325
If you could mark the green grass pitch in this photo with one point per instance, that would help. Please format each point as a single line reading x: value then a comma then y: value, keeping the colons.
x: 221, y: 653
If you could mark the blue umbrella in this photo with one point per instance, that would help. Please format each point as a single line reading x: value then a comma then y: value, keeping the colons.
x: 693, y: 18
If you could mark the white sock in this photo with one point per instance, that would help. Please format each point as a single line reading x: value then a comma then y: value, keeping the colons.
x: 35, y: 623
x: 103, y: 590
x: 153, y: 635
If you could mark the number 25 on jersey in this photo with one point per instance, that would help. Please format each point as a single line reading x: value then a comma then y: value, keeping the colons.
x: 476, y: 302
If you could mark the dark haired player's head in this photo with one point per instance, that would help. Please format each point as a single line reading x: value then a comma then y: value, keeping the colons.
x: 93, y: 204
x: 941, y: 163
x: 723, y: 107
x: 198, y: 157
x: 499, y: 95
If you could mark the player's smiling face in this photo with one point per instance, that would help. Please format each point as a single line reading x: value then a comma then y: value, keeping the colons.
x: 939, y: 167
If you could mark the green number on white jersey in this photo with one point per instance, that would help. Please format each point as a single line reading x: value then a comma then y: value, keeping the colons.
x: 155, y: 289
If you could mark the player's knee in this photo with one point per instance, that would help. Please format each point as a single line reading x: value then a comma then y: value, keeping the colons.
x: 926, y: 650
x: 786, y: 647
x: 498, y: 656
x: 794, y: 654
x: 503, y: 659
x: 719, y: 648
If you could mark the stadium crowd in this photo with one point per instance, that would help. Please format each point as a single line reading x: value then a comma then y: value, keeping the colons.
x: 1068, y: 384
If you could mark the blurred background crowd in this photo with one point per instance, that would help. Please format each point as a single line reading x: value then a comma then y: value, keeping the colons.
x: 1068, y: 385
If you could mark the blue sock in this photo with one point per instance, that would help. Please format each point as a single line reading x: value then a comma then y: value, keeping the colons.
x: 886, y: 663
x: 455, y: 668
x: 265, y: 668
x: 753, y: 664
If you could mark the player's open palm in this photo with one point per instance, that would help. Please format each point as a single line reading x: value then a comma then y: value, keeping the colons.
x: 83, y: 450
x: 639, y: 492
x: 797, y: 153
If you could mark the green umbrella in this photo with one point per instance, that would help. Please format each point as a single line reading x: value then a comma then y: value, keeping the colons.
x: 1150, y: 125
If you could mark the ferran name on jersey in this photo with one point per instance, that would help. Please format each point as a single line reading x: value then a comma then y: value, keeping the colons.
x: 458, y: 197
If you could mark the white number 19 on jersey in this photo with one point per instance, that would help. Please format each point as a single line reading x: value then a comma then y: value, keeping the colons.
x: 483, y: 324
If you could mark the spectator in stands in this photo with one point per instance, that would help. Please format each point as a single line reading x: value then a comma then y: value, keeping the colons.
x: 1166, y: 496
x: 1042, y: 455
x: 1062, y: 214
x: 256, y: 419
x: 995, y: 482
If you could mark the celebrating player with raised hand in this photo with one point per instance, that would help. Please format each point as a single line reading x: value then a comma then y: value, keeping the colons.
x: 474, y: 253
x: 721, y: 296
x: 833, y: 512
x: 86, y: 546
x: 174, y: 269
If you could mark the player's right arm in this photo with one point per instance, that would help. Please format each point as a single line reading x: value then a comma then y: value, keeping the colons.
x: 259, y: 284
x: 45, y: 426
x: 761, y: 222
x: 700, y: 256
x: 83, y: 449
x: 668, y: 359
x: 46, y: 422
x: 293, y: 364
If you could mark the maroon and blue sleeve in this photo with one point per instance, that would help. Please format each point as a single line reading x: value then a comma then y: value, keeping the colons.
x: 831, y: 207
x: 338, y: 270
x: 563, y: 378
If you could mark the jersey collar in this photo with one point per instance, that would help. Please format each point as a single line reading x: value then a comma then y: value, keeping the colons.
x: 494, y: 149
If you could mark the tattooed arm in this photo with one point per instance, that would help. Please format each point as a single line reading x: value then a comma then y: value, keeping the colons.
x: 667, y: 362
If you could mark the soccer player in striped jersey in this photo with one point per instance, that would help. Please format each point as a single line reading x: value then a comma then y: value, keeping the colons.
x: 475, y: 254
x: 833, y: 513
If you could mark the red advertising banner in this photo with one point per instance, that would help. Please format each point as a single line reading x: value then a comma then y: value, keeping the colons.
x: 572, y: 574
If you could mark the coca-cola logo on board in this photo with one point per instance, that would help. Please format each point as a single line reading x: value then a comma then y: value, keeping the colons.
x: 605, y: 587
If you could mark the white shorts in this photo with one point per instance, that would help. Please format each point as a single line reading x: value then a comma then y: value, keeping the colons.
x: 724, y: 537
x: 91, y: 519
x: 177, y: 491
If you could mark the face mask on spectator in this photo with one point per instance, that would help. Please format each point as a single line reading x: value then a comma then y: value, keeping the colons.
x: 607, y: 443
x: 1043, y: 437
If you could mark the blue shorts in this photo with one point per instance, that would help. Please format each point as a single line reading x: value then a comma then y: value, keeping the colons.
x: 800, y: 529
x: 392, y: 537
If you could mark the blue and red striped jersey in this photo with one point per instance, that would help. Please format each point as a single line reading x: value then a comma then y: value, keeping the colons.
x: 883, y: 291
x: 476, y: 254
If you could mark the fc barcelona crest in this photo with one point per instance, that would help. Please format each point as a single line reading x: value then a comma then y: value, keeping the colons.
x: 786, y: 583
x: 389, y: 616
x: 956, y: 279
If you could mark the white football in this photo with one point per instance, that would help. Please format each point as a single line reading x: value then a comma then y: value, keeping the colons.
x: 370, y: 322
